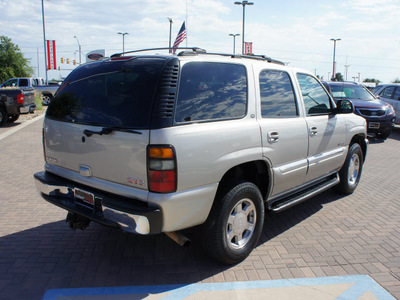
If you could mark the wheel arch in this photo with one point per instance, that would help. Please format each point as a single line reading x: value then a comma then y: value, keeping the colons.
x: 361, y: 140
x: 256, y: 172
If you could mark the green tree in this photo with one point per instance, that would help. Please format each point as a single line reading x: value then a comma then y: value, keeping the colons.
x: 397, y: 80
x: 12, y: 61
x: 339, y: 77
x: 377, y: 81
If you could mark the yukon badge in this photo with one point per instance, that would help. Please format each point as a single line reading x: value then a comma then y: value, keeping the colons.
x: 134, y: 181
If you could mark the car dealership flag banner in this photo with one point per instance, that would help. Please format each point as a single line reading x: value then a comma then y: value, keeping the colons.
x: 180, y: 37
x: 51, y: 55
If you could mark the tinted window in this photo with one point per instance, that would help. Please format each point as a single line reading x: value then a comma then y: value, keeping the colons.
x: 277, y: 96
x: 116, y: 94
x: 211, y: 91
x: 23, y: 82
x: 397, y: 94
x: 387, y: 92
x: 316, y: 100
x: 11, y: 83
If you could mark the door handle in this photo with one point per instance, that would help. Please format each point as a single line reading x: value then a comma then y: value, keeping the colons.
x: 273, y: 137
x: 313, y: 130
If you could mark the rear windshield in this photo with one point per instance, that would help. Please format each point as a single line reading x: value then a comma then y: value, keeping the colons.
x: 117, y: 94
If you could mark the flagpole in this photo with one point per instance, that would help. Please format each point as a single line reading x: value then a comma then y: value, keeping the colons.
x: 186, y: 25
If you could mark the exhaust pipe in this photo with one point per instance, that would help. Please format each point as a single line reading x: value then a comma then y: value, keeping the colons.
x: 179, y: 238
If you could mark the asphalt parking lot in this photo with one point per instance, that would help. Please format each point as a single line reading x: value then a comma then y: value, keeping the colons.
x: 329, y: 235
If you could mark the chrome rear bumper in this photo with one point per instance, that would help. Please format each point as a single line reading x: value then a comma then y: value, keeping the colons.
x: 111, y: 210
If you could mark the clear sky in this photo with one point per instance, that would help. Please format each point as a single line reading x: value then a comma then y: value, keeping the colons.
x: 297, y: 32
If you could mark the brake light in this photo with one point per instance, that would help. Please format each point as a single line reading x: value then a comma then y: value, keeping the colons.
x: 161, y: 164
x: 20, y: 98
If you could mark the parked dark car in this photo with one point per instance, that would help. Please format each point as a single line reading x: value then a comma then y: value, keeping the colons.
x: 15, y: 101
x: 390, y: 93
x: 379, y: 114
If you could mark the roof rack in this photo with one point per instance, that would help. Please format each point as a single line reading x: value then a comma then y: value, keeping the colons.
x: 197, y: 50
x: 194, y: 49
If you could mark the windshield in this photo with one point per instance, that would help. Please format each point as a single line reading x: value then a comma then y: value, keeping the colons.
x: 351, y: 92
x: 114, y: 94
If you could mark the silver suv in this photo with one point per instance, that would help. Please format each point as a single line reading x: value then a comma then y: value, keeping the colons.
x: 161, y: 143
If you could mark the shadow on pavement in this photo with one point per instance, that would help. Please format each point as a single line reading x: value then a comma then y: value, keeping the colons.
x: 52, y: 256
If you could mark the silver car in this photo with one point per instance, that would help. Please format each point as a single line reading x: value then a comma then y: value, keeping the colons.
x: 390, y: 93
x: 160, y: 143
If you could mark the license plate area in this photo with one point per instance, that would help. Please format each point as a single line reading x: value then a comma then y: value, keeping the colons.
x: 84, y: 198
x: 374, y: 125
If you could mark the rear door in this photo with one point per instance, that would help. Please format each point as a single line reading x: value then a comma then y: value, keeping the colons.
x: 283, y: 130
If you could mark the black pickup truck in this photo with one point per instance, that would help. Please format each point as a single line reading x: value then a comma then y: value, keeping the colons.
x: 14, y: 102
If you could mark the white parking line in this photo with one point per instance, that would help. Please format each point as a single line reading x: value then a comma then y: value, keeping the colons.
x: 19, y: 127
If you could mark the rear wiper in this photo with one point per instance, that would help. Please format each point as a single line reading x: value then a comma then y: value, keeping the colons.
x: 108, y: 130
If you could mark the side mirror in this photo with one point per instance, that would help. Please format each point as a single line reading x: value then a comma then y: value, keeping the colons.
x: 344, y: 107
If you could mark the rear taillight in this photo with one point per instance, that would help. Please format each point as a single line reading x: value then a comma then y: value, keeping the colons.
x: 161, y: 164
x: 20, y: 98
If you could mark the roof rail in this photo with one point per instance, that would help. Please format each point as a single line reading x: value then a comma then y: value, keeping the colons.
x: 249, y: 56
x: 197, y: 50
x: 194, y: 49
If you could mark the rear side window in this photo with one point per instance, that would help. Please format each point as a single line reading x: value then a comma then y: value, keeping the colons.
x: 387, y: 92
x: 211, y: 91
x: 23, y: 82
x: 397, y: 94
x: 277, y: 96
x: 118, y: 94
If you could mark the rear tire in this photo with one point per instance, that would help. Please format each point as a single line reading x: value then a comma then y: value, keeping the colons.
x: 3, y: 116
x: 13, y: 118
x: 235, y: 223
x: 383, y: 134
x: 350, y: 173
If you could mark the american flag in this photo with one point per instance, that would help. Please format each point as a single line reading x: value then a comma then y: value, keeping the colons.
x: 180, y: 37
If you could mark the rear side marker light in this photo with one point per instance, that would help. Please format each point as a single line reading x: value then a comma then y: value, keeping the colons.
x: 161, y: 164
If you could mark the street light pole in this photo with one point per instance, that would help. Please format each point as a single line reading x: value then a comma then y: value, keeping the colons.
x: 243, y: 3
x: 234, y: 35
x: 44, y: 43
x: 123, y: 40
x: 79, y: 46
x: 334, y: 62
x: 170, y: 33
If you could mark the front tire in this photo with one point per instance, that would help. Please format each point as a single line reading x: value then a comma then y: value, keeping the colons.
x: 235, y: 223
x: 350, y: 173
